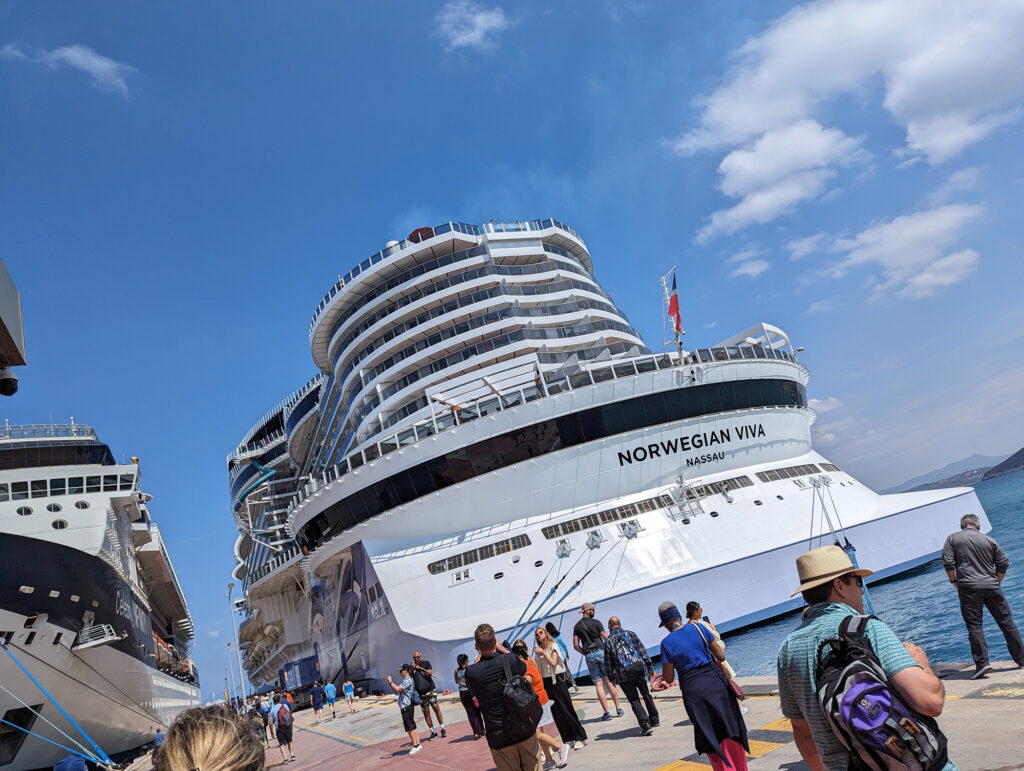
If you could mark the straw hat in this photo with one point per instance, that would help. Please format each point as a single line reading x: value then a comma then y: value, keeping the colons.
x: 819, y: 566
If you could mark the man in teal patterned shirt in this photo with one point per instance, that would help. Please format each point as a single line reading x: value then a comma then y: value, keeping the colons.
x: 834, y: 589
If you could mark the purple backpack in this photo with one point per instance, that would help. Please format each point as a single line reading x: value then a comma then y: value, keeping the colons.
x: 866, y: 713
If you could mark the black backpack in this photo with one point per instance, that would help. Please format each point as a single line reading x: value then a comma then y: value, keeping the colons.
x: 866, y: 713
x: 522, y: 707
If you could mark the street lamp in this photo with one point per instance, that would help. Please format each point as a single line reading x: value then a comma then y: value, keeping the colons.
x: 234, y: 634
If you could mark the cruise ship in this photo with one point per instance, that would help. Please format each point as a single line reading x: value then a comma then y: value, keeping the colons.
x: 91, y: 611
x: 488, y: 439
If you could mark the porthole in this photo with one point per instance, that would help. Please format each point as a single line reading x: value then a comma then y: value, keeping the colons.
x: 81, y: 504
x: 686, y: 520
x: 59, y: 524
x: 26, y: 589
x: 499, y: 575
x: 75, y: 598
x: 54, y: 594
x: 538, y: 563
x: 779, y: 497
x: 515, y: 560
x: 757, y: 503
x: 53, y: 508
x: 714, y: 513
x: 24, y: 511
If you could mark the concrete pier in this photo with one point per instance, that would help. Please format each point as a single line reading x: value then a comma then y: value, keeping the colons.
x: 983, y: 719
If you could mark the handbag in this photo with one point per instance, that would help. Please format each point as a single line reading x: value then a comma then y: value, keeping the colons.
x: 734, y: 688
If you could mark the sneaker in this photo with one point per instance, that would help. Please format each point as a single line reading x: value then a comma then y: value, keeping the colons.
x: 416, y: 748
x: 579, y: 744
x: 433, y: 735
x: 619, y: 713
x: 292, y: 758
x: 646, y: 730
x: 606, y: 716
x: 444, y: 733
x: 563, y: 756
x: 548, y: 765
x: 982, y: 671
x: 655, y: 722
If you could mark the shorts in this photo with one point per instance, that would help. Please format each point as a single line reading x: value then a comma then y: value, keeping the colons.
x: 284, y: 734
x: 595, y: 663
x: 409, y: 717
x: 317, y: 706
x: 545, y: 716
x: 350, y: 696
x: 427, y: 699
x: 330, y: 702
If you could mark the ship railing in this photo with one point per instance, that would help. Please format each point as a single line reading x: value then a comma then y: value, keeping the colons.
x: 573, y: 374
x: 268, y: 567
x: 44, y: 430
x: 97, y: 634
x: 269, y: 414
x: 448, y: 227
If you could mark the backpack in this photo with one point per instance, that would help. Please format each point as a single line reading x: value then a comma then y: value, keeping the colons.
x: 632, y: 662
x: 284, y: 717
x: 522, y: 707
x: 866, y: 713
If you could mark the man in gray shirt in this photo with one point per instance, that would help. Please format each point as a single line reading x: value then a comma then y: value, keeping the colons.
x: 976, y: 565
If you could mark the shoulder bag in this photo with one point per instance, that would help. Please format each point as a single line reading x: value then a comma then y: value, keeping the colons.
x: 734, y: 687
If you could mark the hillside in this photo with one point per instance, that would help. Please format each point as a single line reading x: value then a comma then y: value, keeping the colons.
x: 1014, y: 463
x: 949, y: 471
x: 964, y: 479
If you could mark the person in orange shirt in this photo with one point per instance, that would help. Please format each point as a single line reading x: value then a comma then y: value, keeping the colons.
x: 547, y: 742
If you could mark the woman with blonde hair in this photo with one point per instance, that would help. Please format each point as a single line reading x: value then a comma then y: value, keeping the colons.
x: 209, y: 739
x: 556, y: 684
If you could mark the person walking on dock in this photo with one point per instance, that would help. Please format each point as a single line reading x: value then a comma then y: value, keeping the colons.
x: 546, y: 730
x: 718, y: 728
x: 834, y: 590
x: 316, y: 700
x: 552, y: 630
x: 554, y: 671
x: 330, y: 695
x: 510, y: 751
x: 469, y: 702
x: 588, y: 639
x: 423, y: 676
x: 628, y: 665
x: 976, y: 565
x: 350, y: 695
x: 407, y: 698
x: 284, y: 723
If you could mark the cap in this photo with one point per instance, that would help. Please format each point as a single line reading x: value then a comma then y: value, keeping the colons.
x: 587, y: 606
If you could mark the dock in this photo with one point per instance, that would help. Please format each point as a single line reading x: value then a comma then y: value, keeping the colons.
x: 982, y: 720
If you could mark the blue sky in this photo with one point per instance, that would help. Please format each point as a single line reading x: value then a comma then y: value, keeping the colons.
x: 181, y: 183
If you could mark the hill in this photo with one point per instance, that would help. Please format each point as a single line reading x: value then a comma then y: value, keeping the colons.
x: 948, y: 472
x: 963, y: 479
x: 1014, y: 463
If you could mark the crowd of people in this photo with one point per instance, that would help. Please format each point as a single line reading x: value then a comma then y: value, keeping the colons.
x: 518, y: 698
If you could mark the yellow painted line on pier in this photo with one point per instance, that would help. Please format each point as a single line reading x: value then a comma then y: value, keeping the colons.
x: 954, y: 696
x: 782, y: 724
x: 684, y: 765
x: 757, y: 749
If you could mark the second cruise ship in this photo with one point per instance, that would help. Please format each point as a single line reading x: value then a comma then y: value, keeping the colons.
x: 487, y: 438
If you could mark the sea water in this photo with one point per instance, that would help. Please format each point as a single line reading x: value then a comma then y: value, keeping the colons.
x: 921, y: 605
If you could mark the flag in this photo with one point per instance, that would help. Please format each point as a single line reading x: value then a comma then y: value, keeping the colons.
x: 673, y: 308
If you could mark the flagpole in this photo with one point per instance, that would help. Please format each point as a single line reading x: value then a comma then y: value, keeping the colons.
x: 666, y: 303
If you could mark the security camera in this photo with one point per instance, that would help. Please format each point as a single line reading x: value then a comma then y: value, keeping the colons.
x: 8, y: 382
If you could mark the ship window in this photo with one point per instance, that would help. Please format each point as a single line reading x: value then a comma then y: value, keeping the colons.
x: 59, y: 524
x: 75, y: 485
x: 19, y: 491
x: 714, y: 513
x: 126, y: 481
x: 58, y: 486
x: 26, y: 589
x: 81, y: 504
x: 95, y: 603
x: 74, y: 598
x: 29, y: 638
x: 538, y: 563
x: 779, y: 497
x: 109, y: 482
x: 56, y: 638
x: 498, y: 575
x: 757, y: 503
x: 38, y: 488
x: 53, y: 508
x: 3, y: 492
x: 54, y: 594
x: 92, y: 484
x: 24, y: 511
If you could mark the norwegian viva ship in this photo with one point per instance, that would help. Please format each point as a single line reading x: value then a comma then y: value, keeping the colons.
x: 488, y: 439
x: 91, y: 610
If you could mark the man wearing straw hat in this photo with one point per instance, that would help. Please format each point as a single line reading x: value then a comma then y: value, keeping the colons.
x: 834, y: 589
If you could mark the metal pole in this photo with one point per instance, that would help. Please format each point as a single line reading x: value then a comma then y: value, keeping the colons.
x: 234, y: 634
x: 229, y: 680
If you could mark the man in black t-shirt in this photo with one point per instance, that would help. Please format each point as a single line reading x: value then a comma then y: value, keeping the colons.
x: 486, y: 680
x: 588, y: 638
x: 423, y: 676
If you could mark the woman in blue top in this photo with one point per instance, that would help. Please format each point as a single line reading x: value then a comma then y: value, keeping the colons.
x: 718, y: 728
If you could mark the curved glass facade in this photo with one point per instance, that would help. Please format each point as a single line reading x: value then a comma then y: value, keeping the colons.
x: 546, y: 437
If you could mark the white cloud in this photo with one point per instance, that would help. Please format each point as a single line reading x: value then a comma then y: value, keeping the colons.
x: 750, y: 269
x: 819, y: 306
x: 950, y: 71
x: 778, y: 170
x: 827, y: 404
x: 746, y: 254
x: 465, y: 24
x: 214, y: 633
x: 911, y: 251
x: 106, y: 74
x: 959, y: 181
x: 801, y: 247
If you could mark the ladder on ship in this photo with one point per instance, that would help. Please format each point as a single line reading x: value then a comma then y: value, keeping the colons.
x: 687, y: 502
